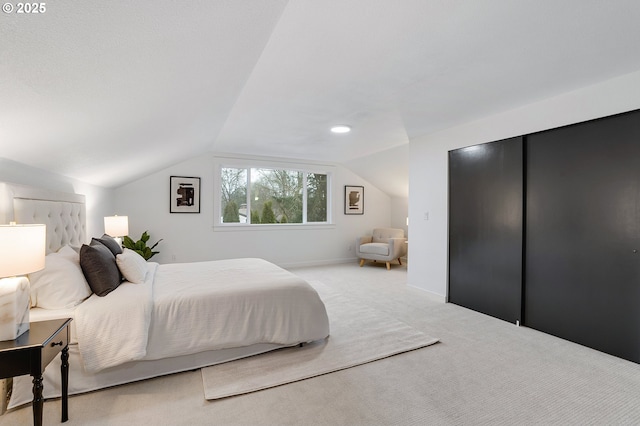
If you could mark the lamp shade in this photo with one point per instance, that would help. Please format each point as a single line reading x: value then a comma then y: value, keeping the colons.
x: 22, y: 249
x: 116, y: 226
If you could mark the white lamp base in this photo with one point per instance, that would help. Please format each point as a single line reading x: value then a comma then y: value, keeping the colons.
x: 14, y: 307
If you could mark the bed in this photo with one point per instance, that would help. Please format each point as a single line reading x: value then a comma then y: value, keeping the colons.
x: 167, y: 318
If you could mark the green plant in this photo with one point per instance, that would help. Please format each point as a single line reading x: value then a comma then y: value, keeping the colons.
x: 231, y: 213
x: 268, y: 216
x: 140, y: 246
x: 255, y: 216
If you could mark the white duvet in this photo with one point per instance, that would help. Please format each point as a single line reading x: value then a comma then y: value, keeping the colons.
x: 187, y: 308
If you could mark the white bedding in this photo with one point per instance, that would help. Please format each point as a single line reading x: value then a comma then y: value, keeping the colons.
x: 231, y: 303
x: 64, y: 215
x: 202, y: 314
x: 114, y: 329
x: 188, y: 308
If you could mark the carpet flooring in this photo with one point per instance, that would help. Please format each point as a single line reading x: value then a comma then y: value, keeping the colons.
x: 359, y: 334
x: 484, y: 371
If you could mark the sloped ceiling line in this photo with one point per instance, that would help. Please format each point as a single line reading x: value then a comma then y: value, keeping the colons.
x: 107, y: 92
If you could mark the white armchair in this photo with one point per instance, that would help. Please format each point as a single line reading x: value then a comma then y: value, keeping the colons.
x: 386, y: 244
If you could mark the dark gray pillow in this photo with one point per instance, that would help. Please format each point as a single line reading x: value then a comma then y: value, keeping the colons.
x: 110, y: 243
x: 99, y: 267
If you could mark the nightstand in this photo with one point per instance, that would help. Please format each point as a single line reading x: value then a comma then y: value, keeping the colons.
x: 30, y: 354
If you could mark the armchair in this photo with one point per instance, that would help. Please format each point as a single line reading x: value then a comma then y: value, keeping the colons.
x: 385, y: 244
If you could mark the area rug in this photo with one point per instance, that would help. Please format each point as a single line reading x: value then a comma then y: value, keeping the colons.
x: 359, y: 334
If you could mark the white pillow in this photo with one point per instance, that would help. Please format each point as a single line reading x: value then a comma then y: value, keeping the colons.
x: 70, y: 253
x: 132, y: 266
x: 61, y: 284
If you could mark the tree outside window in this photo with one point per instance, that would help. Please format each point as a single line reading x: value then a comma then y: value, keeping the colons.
x: 277, y: 196
x: 316, y: 197
x: 234, y: 195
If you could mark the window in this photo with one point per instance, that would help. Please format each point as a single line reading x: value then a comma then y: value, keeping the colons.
x: 259, y: 196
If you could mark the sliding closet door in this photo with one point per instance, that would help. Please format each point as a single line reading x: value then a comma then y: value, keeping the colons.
x: 485, y: 228
x: 583, y: 234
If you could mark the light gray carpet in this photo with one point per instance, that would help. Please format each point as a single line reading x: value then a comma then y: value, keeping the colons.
x: 359, y: 334
x: 482, y: 372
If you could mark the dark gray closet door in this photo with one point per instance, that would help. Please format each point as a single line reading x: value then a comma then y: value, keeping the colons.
x: 583, y: 234
x: 485, y: 228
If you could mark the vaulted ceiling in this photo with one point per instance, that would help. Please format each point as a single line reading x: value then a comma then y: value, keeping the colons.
x: 106, y: 92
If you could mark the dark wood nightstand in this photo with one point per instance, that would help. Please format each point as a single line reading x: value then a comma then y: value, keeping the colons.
x: 30, y: 354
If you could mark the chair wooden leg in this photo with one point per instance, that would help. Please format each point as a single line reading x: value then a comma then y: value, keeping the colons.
x: 400, y: 261
x: 388, y: 266
x: 361, y: 262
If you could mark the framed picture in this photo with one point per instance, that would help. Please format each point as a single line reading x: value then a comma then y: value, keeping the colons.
x: 184, y: 194
x: 353, y: 199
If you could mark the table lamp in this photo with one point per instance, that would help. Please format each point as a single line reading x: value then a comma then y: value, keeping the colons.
x: 116, y: 227
x: 22, y: 251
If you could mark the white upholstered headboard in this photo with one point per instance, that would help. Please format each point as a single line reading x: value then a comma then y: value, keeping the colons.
x: 63, y: 213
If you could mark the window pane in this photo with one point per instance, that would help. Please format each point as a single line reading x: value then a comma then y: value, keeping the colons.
x: 276, y: 196
x: 234, y: 195
x: 316, y: 197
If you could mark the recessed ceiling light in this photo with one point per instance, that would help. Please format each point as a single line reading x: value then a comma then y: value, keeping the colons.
x: 341, y: 129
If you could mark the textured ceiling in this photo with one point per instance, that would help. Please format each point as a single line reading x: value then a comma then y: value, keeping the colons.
x: 106, y: 92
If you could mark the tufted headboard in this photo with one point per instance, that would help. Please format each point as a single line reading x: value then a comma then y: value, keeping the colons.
x: 63, y: 213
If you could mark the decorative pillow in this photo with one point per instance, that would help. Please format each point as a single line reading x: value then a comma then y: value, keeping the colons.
x: 110, y: 243
x: 61, y: 284
x: 99, y: 268
x: 132, y: 266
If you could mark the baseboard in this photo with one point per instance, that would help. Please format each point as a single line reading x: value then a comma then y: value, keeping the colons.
x: 318, y: 263
x: 435, y: 296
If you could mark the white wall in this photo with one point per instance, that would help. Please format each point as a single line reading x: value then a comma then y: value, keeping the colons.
x: 190, y: 237
x: 99, y: 201
x: 428, y: 174
x: 399, y: 213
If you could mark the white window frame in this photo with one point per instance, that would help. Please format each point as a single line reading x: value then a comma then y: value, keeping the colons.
x: 249, y: 164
